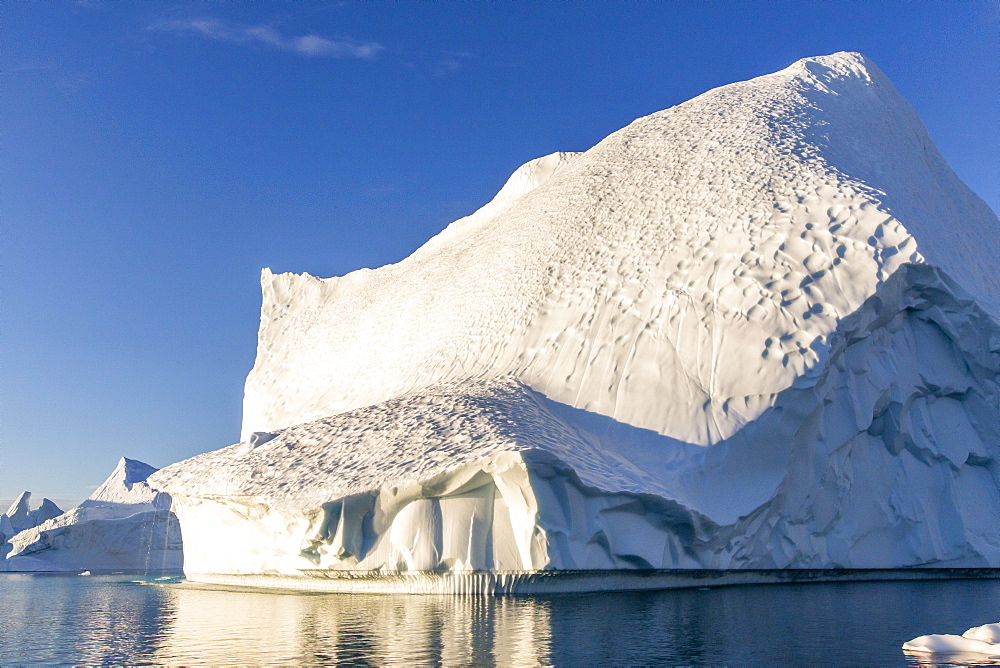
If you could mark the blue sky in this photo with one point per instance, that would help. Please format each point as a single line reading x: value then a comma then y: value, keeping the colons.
x: 156, y: 155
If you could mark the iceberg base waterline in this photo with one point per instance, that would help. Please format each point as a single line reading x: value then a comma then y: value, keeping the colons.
x: 567, y: 582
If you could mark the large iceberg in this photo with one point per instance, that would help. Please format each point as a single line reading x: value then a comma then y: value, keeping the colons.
x: 124, y: 524
x: 756, y: 331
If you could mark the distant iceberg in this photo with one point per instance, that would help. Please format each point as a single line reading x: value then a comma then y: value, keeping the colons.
x: 124, y: 524
x: 20, y: 516
x: 755, y: 331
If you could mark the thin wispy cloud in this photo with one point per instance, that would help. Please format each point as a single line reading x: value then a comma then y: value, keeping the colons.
x: 451, y: 62
x: 306, y: 45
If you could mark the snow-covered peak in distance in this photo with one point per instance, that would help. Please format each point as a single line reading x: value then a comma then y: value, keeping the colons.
x: 675, y: 277
x: 19, y: 509
x: 20, y: 516
x: 124, y: 524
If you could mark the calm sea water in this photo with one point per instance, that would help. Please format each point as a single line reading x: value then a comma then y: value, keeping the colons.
x: 120, y: 619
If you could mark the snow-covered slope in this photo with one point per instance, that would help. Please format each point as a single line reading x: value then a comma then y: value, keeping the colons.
x: 643, y: 279
x: 127, y: 486
x: 755, y: 330
x: 124, y: 524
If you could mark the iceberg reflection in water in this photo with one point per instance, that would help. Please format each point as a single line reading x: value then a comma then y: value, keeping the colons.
x: 215, y: 626
x: 125, y: 619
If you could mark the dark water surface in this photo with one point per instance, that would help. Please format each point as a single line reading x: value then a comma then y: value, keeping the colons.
x: 124, y: 619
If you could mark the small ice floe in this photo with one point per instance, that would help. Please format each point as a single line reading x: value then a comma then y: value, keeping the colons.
x: 84, y: 573
x: 984, y: 640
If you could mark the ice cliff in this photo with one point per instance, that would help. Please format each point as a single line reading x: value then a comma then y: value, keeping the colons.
x: 757, y: 330
x: 124, y: 524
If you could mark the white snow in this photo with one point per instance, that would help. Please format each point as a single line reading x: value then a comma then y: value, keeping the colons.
x: 644, y: 278
x: 127, y: 486
x: 20, y: 516
x: 124, y: 524
x: 711, y: 341
x: 989, y: 633
x: 17, y: 514
x: 978, y: 640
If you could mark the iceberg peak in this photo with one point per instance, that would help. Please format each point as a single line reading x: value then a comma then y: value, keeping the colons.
x: 19, y: 510
x: 20, y: 516
x: 126, y: 485
x: 843, y: 64
x: 124, y: 524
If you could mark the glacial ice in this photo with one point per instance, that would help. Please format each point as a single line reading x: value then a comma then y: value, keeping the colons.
x: 20, y: 516
x: 987, y: 633
x: 127, y: 486
x: 124, y: 524
x: 977, y: 640
x: 17, y: 514
x: 758, y: 330
x: 645, y: 277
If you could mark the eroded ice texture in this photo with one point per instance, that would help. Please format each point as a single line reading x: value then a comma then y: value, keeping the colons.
x: 755, y: 330
x: 491, y: 475
x: 124, y: 524
x: 676, y: 276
